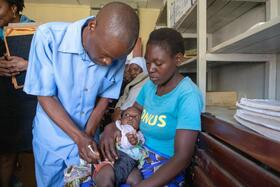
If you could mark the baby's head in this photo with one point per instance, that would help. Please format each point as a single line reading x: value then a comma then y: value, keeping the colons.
x: 131, y: 116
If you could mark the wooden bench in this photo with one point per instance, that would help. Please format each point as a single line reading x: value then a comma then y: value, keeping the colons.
x: 228, y: 154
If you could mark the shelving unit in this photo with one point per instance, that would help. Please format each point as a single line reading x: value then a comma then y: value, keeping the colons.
x: 222, y: 40
x: 263, y: 38
x: 219, y: 14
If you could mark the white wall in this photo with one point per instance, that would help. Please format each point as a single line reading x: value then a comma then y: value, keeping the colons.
x: 278, y: 78
x: 248, y: 79
x: 148, y: 18
x: 55, y: 12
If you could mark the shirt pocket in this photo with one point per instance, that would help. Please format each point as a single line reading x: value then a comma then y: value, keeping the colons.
x: 105, y: 85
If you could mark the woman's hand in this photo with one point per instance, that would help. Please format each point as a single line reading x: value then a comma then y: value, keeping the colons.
x: 18, y: 64
x: 132, y: 138
x: 6, y: 68
x: 108, y: 142
x: 88, y: 149
x: 10, y: 66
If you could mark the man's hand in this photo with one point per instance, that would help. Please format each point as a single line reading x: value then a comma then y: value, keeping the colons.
x: 108, y: 142
x: 88, y: 149
x: 132, y: 138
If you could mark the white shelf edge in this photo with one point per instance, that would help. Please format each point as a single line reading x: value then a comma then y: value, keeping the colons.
x: 185, y: 15
x: 246, y: 34
x: 237, y: 57
x: 188, y: 61
x: 233, y: 57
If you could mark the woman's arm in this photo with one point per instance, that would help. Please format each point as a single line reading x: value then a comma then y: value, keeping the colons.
x: 184, y: 147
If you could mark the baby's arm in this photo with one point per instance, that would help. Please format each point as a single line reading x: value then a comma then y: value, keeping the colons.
x: 141, y: 139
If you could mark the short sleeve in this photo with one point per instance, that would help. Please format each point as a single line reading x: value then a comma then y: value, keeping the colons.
x: 189, y: 110
x: 112, y: 83
x: 39, y: 78
x: 141, y: 96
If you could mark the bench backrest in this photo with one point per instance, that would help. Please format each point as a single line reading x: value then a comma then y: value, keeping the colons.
x: 230, y: 155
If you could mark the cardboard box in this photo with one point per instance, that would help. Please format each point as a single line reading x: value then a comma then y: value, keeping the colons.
x: 223, y: 99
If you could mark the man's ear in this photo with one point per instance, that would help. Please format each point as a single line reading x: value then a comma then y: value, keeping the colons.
x: 92, y: 24
x: 179, y: 57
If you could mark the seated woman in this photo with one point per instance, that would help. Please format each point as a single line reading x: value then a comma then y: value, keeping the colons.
x: 135, y: 76
x: 171, y: 107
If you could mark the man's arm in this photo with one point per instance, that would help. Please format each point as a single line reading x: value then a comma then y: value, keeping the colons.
x: 96, y: 116
x: 57, y: 113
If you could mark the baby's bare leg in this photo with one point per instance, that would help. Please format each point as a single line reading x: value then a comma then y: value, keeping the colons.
x: 134, y: 177
x: 105, y: 177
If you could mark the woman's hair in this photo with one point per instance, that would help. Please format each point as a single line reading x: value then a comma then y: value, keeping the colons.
x: 19, y: 4
x: 169, y: 39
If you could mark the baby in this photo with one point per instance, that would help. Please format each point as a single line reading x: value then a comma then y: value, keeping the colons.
x: 130, y: 151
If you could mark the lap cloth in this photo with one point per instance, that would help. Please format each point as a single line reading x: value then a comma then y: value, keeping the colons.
x: 152, y: 163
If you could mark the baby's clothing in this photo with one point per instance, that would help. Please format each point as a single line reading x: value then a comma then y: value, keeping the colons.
x: 137, y: 152
x: 130, y: 156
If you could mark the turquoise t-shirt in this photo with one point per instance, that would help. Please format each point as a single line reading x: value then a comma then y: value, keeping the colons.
x: 162, y: 115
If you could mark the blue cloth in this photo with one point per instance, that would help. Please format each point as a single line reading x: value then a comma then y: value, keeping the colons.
x: 60, y: 67
x: 162, y: 115
x: 152, y: 163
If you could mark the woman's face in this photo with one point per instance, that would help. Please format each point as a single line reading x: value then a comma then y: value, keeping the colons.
x: 161, y: 65
x: 6, y: 13
x: 131, y: 72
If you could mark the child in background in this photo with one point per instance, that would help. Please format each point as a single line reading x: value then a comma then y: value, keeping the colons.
x: 130, y: 151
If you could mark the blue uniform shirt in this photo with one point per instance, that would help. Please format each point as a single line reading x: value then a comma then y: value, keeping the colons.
x: 163, y: 115
x: 59, y: 66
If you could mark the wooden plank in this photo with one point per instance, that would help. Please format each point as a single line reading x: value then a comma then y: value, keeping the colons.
x: 200, y: 179
x: 255, y: 145
x: 211, y: 168
x: 241, y: 168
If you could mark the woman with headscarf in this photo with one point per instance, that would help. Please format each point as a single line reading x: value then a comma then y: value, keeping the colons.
x: 135, y: 76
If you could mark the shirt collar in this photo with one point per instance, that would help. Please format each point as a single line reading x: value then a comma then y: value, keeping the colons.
x: 72, y: 40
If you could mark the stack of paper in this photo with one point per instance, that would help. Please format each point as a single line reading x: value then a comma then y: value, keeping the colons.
x: 260, y: 115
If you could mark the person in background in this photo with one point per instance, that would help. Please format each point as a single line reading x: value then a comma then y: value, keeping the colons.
x: 135, y: 76
x: 74, y: 69
x: 16, y: 108
x: 171, y: 106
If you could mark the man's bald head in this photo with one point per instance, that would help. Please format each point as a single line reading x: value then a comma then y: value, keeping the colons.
x: 118, y: 20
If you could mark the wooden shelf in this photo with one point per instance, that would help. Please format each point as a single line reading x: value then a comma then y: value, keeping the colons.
x: 162, y: 18
x: 263, y: 38
x: 223, y: 113
x: 188, y: 61
x: 219, y: 14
